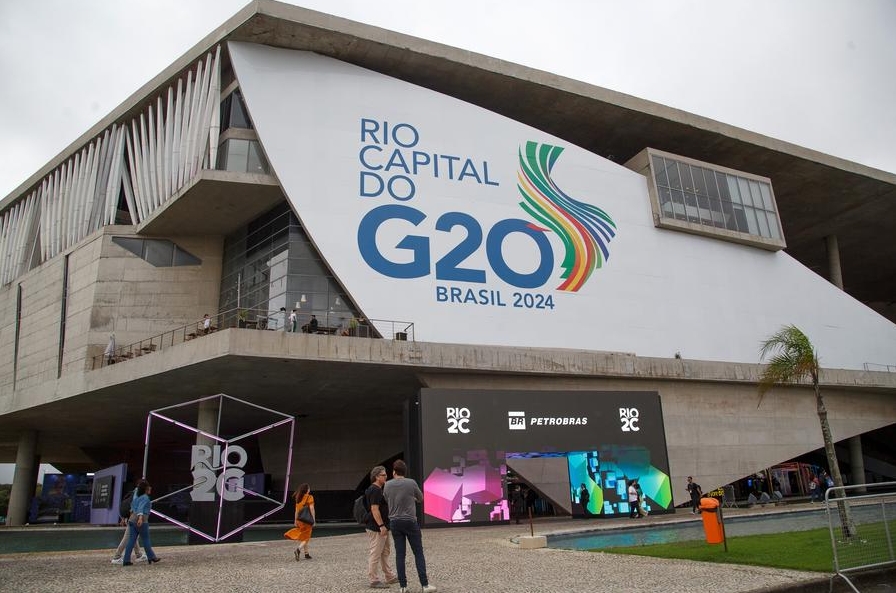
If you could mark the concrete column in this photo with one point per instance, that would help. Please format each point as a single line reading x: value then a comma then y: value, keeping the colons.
x: 24, y: 480
x: 857, y: 462
x: 834, y: 271
x: 207, y: 420
x: 856, y: 459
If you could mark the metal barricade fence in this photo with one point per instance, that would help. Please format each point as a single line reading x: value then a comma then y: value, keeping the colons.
x: 862, y: 527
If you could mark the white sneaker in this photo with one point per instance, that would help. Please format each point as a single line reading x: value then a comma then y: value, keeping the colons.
x: 429, y: 589
x: 404, y: 590
x: 118, y: 560
x: 141, y: 558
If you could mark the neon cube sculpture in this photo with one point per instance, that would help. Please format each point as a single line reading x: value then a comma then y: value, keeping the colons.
x: 217, y: 480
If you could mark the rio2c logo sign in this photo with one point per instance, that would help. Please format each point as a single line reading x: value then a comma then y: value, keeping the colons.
x: 391, y: 159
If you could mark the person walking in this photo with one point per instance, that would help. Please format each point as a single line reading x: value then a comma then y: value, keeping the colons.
x: 377, y: 529
x: 302, y: 531
x: 695, y: 492
x: 124, y: 511
x: 138, y: 524
x: 401, y: 495
x: 632, y: 501
x: 642, y: 512
x: 584, y: 499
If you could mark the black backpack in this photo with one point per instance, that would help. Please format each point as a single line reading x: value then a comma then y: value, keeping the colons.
x: 124, y: 511
x: 360, y: 511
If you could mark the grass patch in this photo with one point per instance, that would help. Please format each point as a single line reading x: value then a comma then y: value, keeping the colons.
x: 797, y: 550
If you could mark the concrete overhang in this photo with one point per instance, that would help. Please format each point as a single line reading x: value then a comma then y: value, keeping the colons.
x: 325, y: 377
x: 214, y: 203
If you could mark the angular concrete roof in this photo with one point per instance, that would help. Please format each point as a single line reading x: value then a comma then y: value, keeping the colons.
x: 817, y: 194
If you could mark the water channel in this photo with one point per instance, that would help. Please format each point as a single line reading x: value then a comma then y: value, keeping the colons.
x: 646, y: 534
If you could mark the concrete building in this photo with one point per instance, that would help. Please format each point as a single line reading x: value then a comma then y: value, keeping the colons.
x: 452, y: 222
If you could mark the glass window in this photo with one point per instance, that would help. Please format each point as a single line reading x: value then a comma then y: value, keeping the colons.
x: 672, y: 171
x: 135, y: 246
x: 234, y: 113
x: 659, y: 166
x: 701, y: 195
x: 256, y: 163
x: 182, y: 258
x: 241, y: 156
x: 158, y: 252
x: 269, y: 264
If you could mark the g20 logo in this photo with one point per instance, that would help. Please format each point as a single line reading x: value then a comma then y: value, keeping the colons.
x: 629, y: 419
x: 449, y: 267
x: 458, y: 420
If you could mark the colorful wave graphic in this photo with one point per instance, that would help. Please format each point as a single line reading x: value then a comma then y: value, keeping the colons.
x: 584, y: 229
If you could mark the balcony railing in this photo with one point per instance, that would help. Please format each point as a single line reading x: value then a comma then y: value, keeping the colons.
x: 328, y: 324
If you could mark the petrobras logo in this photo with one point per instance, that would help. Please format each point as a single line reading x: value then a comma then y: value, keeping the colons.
x: 558, y: 421
x: 458, y: 420
x: 516, y: 420
x: 398, y: 238
x: 629, y: 417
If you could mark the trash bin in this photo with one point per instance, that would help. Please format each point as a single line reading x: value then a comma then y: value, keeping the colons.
x: 712, y: 521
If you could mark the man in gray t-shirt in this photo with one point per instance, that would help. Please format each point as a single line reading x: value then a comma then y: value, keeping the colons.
x: 402, y: 495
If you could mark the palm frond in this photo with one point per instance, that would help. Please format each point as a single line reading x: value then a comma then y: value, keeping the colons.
x: 793, y: 359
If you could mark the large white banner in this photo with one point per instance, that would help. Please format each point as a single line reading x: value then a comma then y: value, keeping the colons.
x: 482, y: 230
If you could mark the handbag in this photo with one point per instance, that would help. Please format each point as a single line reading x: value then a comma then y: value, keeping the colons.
x: 305, y: 516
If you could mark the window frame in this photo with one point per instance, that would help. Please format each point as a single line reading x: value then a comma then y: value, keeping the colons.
x: 734, y: 180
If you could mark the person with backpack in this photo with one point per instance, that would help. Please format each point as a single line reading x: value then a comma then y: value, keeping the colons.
x: 124, y: 511
x: 377, y: 529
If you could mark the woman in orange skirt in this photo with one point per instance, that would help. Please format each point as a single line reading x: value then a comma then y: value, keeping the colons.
x: 302, y: 531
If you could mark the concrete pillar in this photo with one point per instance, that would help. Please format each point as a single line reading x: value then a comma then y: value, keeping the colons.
x: 208, y: 420
x: 24, y: 480
x: 857, y: 463
x: 856, y: 459
x: 834, y: 271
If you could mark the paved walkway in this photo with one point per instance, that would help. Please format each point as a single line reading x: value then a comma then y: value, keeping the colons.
x: 459, y: 560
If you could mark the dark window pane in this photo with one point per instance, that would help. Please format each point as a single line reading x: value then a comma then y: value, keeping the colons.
x: 722, y: 183
x: 687, y: 183
x: 135, y: 246
x: 159, y: 253
x: 678, y: 205
x: 672, y: 171
x: 182, y: 258
x: 773, y: 225
x: 659, y: 168
x: 239, y: 116
x: 699, y: 183
x: 256, y: 162
x: 718, y: 217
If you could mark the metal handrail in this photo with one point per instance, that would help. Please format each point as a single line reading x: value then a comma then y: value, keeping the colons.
x: 256, y: 318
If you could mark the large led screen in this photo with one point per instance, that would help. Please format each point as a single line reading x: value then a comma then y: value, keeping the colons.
x: 607, y: 437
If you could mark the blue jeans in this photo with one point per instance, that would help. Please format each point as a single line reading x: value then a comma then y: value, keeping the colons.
x: 406, y: 531
x: 143, y: 532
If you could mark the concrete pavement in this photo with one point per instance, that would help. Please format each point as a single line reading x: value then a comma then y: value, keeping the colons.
x: 459, y: 560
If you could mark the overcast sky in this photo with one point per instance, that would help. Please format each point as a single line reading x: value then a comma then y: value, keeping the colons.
x: 819, y: 73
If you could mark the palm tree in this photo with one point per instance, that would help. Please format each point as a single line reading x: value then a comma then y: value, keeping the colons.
x: 794, y: 359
